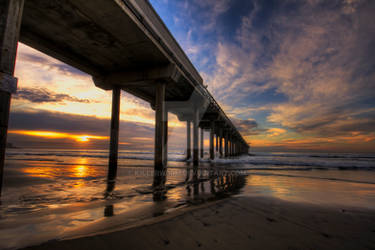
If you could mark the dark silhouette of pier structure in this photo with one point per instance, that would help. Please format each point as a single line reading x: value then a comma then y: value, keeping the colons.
x: 123, y: 45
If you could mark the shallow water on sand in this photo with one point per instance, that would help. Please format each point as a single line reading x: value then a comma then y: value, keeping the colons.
x: 53, y: 194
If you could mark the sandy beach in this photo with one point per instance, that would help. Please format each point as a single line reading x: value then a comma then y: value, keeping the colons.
x: 234, y: 204
x: 240, y: 223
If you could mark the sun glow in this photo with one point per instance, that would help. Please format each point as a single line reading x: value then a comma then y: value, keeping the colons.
x: 58, y: 135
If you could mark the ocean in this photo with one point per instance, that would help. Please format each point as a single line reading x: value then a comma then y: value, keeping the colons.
x: 55, y: 194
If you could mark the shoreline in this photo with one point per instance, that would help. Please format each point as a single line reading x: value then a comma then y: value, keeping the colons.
x: 239, y: 222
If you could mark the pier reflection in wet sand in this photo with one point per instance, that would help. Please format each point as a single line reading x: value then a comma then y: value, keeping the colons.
x: 203, y: 185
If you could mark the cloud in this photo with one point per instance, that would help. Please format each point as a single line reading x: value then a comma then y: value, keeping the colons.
x: 43, y: 95
x: 247, y: 127
x: 318, y: 56
x: 36, y: 120
x: 30, y: 56
x: 133, y: 135
x: 213, y: 8
x: 275, y: 131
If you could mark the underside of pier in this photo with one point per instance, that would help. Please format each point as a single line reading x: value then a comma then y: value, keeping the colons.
x: 123, y: 45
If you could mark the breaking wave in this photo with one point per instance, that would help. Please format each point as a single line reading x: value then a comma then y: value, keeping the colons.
x: 257, y: 161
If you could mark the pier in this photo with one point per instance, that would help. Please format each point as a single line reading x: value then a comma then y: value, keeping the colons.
x: 123, y: 45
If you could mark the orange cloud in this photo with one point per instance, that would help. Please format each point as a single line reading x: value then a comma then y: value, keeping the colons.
x: 275, y: 131
x: 351, y: 142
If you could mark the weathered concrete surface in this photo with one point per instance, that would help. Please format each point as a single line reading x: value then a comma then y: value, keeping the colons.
x: 115, y: 125
x: 188, y: 140
x: 10, y: 22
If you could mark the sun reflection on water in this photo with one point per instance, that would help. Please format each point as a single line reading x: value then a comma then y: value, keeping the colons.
x: 81, y: 170
x: 45, y: 171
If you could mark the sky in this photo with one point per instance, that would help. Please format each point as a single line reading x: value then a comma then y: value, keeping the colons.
x: 292, y: 75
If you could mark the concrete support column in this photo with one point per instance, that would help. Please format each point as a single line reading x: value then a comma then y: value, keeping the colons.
x: 115, y: 124
x: 10, y: 23
x: 232, y: 142
x: 212, y: 131
x: 188, y: 140
x: 217, y: 143
x: 229, y: 151
x: 230, y: 145
x: 226, y: 149
x: 165, y: 134
x: 195, y: 137
x: 221, y: 142
x: 202, y: 143
x: 160, y: 130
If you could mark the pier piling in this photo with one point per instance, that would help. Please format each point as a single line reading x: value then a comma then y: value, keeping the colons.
x: 165, y: 134
x: 226, y: 152
x: 217, y: 142
x: 115, y: 124
x: 221, y: 142
x: 212, y: 131
x: 188, y: 140
x: 159, y: 132
x: 195, y: 137
x: 202, y: 144
x: 10, y: 23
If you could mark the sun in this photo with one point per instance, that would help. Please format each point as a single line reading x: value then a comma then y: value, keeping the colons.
x: 83, y: 138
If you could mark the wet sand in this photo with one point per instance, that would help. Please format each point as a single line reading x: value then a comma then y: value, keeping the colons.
x: 240, y: 222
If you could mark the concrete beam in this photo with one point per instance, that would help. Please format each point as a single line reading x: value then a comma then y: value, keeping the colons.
x: 209, y: 116
x: 185, y: 109
x: 144, y: 77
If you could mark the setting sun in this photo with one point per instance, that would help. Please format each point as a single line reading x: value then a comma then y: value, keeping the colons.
x: 57, y: 135
x: 83, y: 138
